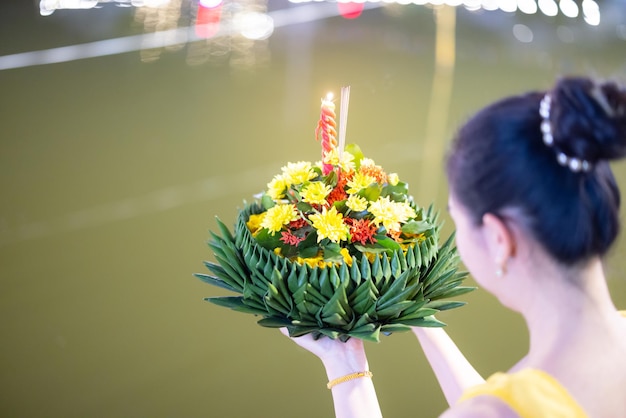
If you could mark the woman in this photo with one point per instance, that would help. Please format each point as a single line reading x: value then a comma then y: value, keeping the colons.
x: 536, y: 207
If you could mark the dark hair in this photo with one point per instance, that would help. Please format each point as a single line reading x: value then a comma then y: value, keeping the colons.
x: 499, y: 161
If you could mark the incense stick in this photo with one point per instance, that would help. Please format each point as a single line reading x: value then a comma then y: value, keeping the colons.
x: 343, y: 118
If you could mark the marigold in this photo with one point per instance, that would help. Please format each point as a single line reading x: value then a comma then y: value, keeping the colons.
x: 329, y: 224
x: 277, y: 216
x: 315, y: 192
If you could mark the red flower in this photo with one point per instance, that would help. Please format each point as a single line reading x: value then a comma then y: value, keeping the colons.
x: 339, y: 192
x: 297, y: 224
x: 290, y: 239
x: 361, y: 230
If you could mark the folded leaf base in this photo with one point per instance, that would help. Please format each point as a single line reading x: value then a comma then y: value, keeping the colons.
x: 384, y: 293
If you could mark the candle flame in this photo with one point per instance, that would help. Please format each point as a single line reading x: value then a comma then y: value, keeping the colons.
x: 330, y: 96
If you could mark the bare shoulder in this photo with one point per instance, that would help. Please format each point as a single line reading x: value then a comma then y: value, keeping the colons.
x: 481, y: 406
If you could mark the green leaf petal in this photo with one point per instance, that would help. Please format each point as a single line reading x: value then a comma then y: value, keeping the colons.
x: 274, y: 322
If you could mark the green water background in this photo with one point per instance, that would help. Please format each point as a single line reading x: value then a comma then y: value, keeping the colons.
x: 112, y: 172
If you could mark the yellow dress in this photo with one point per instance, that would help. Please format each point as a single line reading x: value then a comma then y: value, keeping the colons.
x: 531, y: 393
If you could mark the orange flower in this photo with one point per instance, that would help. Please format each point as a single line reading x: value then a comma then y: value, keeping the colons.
x: 361, y: 230
x: 339, y: 192
x: 369, y: 168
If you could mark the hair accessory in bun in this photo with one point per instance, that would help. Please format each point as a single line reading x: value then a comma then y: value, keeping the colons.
x: 573, y: 163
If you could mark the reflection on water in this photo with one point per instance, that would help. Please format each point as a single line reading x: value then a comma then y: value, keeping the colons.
x: 112, y: 171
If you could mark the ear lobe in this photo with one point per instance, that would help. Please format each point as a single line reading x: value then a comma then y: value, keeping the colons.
x: 499, y: 237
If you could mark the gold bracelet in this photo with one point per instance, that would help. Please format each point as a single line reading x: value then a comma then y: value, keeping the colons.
x: 348, y: 377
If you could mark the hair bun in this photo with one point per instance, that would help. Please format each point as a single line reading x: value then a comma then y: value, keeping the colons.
x: 588, y: 119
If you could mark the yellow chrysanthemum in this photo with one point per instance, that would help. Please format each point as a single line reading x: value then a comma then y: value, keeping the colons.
x: 356, y: 203
x: 369, y: 167
x: 391, y: 214
x: 367, y: 162
x: 315, y: 193
x: 329, y: 224
x: 346, y: 162
x: 298, y: 173
x: 277, y: 216
x: 358, y: 182
x: 276, y: 188
x: 254, y: 222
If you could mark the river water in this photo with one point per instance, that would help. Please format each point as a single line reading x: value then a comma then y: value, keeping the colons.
x: 113, y: 169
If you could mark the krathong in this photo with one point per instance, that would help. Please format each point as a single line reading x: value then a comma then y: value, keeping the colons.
x: 336, y: 248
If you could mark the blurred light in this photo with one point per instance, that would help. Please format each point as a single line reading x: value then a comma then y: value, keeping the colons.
x: 254, y: 25
x: 569, y: 8
x: 490, y: 4
x: 350, y: 10
x: 210, y: 3
x: 208, y: 20
x: 527, y: 6
x: 565, y: 34
x: 591, y: 12
x: 47, y: 7
x: 155, y: 3
x: 472, y: 5
x: 548, y: 7
x: 509, y: 6
x: 149, y: 3
x: 522, y: 33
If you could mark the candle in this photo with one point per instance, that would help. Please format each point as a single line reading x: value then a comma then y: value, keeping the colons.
x: 326, y: 131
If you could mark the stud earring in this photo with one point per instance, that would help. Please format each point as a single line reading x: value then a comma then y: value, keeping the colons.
x: 501, y: 271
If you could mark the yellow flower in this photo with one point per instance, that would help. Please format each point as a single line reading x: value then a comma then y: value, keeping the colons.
x: 346, y: 162
x: 393, y: 179
x: 277, y: 216
x: 298, y: 173
x: 367, y: 162
x: 358, y: 182
x: 329, y: 224
x: 369, y: 167
x: 356, y: 203
x: 254, y: 222
x: 315, y: 192
x: 347, y: 258
x: 276, y: 188
x: 317, y: 261
x: 391, y: 214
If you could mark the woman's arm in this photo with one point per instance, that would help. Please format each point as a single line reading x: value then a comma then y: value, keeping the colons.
x: 453, y: 371
x: 353, y: 398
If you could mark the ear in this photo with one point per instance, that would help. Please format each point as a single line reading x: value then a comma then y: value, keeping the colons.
x: 499, y: 238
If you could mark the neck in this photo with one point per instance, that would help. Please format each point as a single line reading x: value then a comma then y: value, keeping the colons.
x: 566, y: 309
